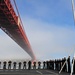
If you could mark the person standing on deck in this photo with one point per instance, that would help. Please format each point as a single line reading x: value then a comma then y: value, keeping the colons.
x: 39, y: 65
x: 34, y: 65
x: 9, y: 65
x: 19, y: 65
x: 44, y: 65
x: 4, y: 64
x: 0, y: 64
x: 29, y: 65
x: 69, y: 66
x: 24, y: 65
x: 14, y: 63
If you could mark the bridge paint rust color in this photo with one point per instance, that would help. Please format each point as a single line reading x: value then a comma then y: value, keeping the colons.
x: 10, y: 24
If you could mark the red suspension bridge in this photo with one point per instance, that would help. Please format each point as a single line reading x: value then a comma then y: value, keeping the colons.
x: 12, y: 25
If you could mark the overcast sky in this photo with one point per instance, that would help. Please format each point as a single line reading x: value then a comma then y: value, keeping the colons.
x: 50, y: 29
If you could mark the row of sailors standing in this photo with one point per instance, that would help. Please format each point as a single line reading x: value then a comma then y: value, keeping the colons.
x: 51, y: 65
x: 25, y: 64
x: 57, y: 65
x: 14, y: 65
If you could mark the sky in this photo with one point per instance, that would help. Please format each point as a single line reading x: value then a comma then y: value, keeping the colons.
x: 49, y: 26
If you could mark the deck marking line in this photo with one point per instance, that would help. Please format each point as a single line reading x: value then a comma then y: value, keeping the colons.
x: 13, y: 73
x: 52, y: 72
x: 39, y: 72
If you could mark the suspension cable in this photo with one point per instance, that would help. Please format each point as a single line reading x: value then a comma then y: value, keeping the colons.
x: 18, y: 14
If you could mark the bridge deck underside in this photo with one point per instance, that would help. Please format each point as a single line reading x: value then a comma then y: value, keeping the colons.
x: 9, y: 24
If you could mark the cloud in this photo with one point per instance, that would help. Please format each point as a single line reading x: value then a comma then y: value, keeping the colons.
x: 49, y: 40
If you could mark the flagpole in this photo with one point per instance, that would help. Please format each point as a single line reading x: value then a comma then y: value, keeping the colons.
x: 73, y: 10
x: 74, y: 24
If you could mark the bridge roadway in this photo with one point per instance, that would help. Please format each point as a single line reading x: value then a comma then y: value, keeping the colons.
x: 31, y: 72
